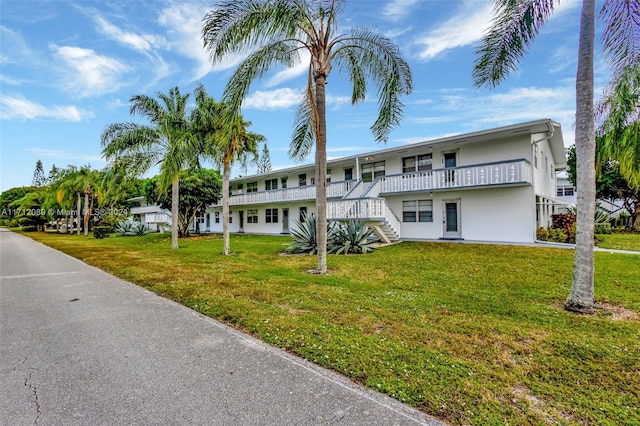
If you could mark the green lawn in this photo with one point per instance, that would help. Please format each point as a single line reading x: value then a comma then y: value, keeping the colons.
x: 620, y: 241
x: 473, y: 334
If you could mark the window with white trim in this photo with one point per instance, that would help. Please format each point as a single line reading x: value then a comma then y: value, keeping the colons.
x: 417, y: 163
x: 217, y: 217
x: 252, y: 186
x: 417, y: 211
x: 270, y: 184
x: 252, y: 216
x: 370, y: 171
x: 271, y: 215
x: 302, y: 179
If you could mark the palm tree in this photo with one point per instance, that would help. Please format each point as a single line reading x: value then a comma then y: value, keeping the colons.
x: 223, y: 133
x: 166, y: 141
x: 513, y: 29
x: 68, y: 189
x: 276, y: 32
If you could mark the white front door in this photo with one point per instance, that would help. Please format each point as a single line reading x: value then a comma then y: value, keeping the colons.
x: 451, y: 219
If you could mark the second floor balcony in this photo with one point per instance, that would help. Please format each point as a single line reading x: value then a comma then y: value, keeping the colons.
x: 504, y: 173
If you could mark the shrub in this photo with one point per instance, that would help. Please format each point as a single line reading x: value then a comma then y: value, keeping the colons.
x: 29, y: 228
x: 131, y: 229
x: 101, y: 231
x: 353, y: 237
x: 603, y: 228
x: 542, y: 234
x: 558, y: 235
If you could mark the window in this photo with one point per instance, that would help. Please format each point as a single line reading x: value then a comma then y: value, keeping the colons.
x: 252, y: 216
x: 566, y: 190
x: 252, y: 187
x: 370, y: 171
x: 328, y: 175
x: 230, y: 216
x: 303, y: 213
x: 302, y: 179
x: 271, y: 216
x: 270, y: 184
x: 283, y: 182
x: 348, y: 173
x: 425, y: 210
x: 417, y: 163
x: 408, y: 211
x: 417, y: 211
x: 217, y: 217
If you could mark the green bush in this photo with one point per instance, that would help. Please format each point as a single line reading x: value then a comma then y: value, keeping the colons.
x: 542, y: 234
x: 603, y: 228
x: 102, y: 231
x: 352, y: 237
x: 558, y: 235
x: 29, y: 228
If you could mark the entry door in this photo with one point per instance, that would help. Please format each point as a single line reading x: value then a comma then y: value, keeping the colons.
x: 241, y: 214
x: 450, y: 161
x: 451, y: 219
x: 285, y: 221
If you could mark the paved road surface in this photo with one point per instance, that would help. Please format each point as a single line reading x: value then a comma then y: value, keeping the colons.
x: 81, y: 347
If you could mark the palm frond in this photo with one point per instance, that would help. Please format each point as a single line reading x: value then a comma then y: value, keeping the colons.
x: 256, y: 65
x: 621, y: 35
x: 237, y: 26
x: 380, y: 60
x: 514, y: 27
x: 305, y: 124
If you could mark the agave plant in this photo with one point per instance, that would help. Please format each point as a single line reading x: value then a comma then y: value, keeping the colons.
x: 304, y: 235
x: 353, y: 237
x: 132, y: 229
x: 601, y: 216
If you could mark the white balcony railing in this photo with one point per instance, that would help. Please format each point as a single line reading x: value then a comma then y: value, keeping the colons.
x: 298, y: 193
x: 502, y: 173
x: 368, y: 209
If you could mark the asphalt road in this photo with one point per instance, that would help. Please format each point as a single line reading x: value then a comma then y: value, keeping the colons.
x: 81, y: 347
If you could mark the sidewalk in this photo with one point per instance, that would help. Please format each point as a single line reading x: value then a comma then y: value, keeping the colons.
x: 82, y: 347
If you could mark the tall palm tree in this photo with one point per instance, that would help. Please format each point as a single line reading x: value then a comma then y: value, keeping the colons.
x: 515, y: 26
x: 165, y: 142
x: 224, y: 137
x: 276, y: 32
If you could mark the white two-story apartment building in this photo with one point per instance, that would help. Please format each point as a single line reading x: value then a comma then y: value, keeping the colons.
x: 493, y: 185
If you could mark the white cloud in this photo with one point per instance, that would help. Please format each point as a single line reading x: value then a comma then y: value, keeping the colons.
x: 19, y: 108
x: 293, y: 72
x: 141, y: 43
x: 14, y: 47
x: 462, y: 29
x: 88, y: 73
x: 273, y: 99
x: 183, y: 22
x: 398, y: 9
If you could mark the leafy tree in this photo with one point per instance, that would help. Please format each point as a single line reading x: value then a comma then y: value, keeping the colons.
x: 611, y: 184
x: 513, y: 29
x: 198, y: 189
x: 7, y: 198
x: 274, y: 32
x: 264, y: 163
x: 166, y: 141
x: 225, y: 139
x: 29, y: 210
x: 39, y: 179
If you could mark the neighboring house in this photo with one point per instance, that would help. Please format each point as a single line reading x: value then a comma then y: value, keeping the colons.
x: 153, y: 215
x: 567, y: 192
x: 493, y: 185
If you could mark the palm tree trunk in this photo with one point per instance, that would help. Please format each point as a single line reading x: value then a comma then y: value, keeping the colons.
x: 175, y: 202
x: 226, y: 249
x: 79, y: 214
x: 321, y: 174
x: 85, y: 222
x: 581, y: 294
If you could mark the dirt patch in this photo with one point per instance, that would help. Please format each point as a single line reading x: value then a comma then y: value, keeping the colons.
x: 615, y: 312
x: 618, y: 313
x: 547, y: 414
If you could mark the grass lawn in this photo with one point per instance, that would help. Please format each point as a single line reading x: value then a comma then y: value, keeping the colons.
x: 468, y: 333
x: 620, y: 241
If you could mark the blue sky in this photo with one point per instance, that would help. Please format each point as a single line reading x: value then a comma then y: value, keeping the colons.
x: 69, y: 68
